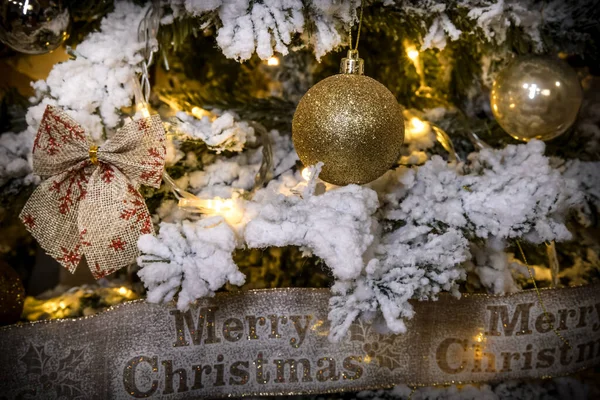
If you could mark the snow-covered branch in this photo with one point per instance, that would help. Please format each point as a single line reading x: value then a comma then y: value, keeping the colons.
x: 190, y: 260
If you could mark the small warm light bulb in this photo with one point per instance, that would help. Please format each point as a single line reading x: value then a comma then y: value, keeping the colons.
x: 412, y: 53
x: 306, y: 174
x: 417, y: 126
x: 546, y: 92
x: 122, y: 291
x: 227, y: 208
x: 512, y: 105
x: 221, y: 205
x: 141, y: 107
x: 273, y: 61
x: 557, y: 83
x: 199, y: 112
x: 218, y: 205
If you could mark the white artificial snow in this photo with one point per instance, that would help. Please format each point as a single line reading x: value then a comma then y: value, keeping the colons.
x: 440, y: 29
x: 223, y: 133
x: 413, y: 262
x: 266, y: 28
x: 515, y: 192
x: 495, y: 17
x: 331, y: 22
x: 223, y: 177
x: 94, y: 86
x: 418, y: 244
x: 500, y: 194
x: 14, y: 150
x: 587, y: 175
x: 335, y: 226
x: 190, y: 260
x: 494, y: 267
x: 91, y: 88
x: 506, y: 193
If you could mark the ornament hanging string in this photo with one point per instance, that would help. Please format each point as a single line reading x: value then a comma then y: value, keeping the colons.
x: 539, y: 296
x: 359, y: 26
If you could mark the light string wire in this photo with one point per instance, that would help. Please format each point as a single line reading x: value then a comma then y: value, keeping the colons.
x: 147, y: 34
x: 362, y: 2
x: 539, y: 296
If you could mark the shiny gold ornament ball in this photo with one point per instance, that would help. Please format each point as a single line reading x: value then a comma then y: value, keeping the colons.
x: 12, y: 295
x: 353, y: 124
x: 536, y: 98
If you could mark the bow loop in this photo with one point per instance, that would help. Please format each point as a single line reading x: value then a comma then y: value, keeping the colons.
x: 138, y: 149
x: 60, y: 143
x: 50, y: 211
x: 89, y: 205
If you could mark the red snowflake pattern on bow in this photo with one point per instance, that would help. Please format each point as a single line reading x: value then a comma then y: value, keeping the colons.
x: 29, y: 221
x: 90, y: 206
x: 117, y: 244
x: 74, y: 189
x: 134, y: 210
x: 107, y: 172
x: 70, y: 258
x: 155, y: 160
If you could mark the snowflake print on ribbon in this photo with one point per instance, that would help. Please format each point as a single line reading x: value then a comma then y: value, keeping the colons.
x: 52, y: 374
x: 382, y: 348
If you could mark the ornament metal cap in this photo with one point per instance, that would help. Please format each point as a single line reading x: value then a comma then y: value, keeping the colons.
x: 352, y: 64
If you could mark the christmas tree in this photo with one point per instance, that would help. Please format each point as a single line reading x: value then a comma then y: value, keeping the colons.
x: 407, y: 164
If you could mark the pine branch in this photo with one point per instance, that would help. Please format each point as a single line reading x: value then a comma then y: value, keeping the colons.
x: 13, y: 107
x: 271, y: 112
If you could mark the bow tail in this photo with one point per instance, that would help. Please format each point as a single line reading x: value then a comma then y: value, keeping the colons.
x: 113, y: 215
x: 50, y: 215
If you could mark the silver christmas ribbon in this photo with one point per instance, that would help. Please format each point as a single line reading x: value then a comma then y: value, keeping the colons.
x: 275, y: 342
x: 90, y: 205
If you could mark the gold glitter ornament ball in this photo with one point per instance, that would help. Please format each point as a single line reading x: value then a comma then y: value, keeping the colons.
x: 12, y: 295
x: 536, y: 98
x: 350, y: 122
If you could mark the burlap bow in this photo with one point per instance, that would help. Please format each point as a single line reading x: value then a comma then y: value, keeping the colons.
x: 90, y: 203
